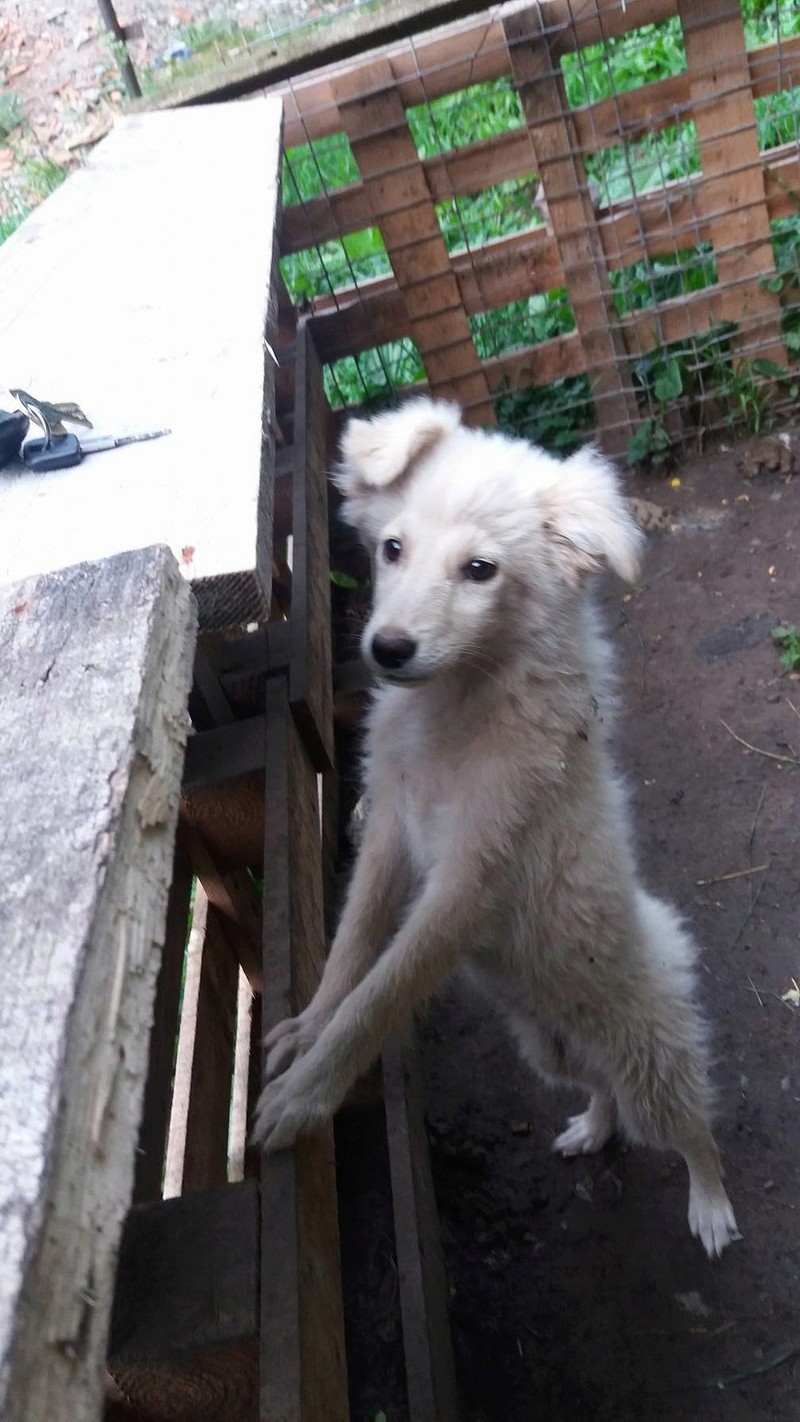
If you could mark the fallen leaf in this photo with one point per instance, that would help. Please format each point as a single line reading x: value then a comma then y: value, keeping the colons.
x: 792, y: 995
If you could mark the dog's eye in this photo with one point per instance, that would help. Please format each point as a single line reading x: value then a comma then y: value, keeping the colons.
x: 479, y: 570
x: 392, y: 549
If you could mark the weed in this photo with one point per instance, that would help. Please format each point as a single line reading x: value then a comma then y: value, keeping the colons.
x: 650, y: 444
x: 11, y: 113
x: 788, y: 639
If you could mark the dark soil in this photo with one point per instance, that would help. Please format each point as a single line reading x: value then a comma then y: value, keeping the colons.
x: 577, y: 1292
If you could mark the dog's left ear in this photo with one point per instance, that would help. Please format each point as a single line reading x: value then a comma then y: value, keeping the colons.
x: 588, y: 522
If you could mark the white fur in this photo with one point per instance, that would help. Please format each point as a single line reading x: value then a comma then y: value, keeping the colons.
x: 496, y: 834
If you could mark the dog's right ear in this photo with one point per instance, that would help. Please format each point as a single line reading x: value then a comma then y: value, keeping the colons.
x: 377, y: 454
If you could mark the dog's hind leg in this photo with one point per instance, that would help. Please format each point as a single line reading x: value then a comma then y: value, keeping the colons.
x: 661, y: 1077
x: 552, y: 1059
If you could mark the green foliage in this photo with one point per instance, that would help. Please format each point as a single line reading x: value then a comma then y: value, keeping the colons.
x: 38, y: 177
x: 788, y: 639
x: 650, y: 444
x: 482, y: 111
x: 11, y: 113
x: 559, y: 417
x: 639, y: 57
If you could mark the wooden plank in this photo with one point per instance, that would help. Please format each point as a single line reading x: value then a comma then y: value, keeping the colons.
x: 282, y: 57
x: 187, y: 1277
x: 473, y: 52
x: 144, y: 337
x: 724, y: 116
x: 234, y: 896
x: 96, y: 668
x: 151, y: 1150
x: 380, y: 138
x: 310, y: 678
x: 205, y: 1160
x: 224, y: 753
x: 461, y: 173
x: 430, y: 1368
x: 541, y: 91
x: 184, y: 1330
x: 303, y: 1374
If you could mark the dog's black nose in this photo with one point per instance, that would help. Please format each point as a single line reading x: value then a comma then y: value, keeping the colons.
x: 392, y: 648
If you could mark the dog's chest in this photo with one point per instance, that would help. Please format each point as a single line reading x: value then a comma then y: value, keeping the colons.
x: 418, y: 771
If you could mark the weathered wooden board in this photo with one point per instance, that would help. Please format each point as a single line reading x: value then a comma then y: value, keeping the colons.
x: 430, y: 1368
x: 724, y: 115
x: 205, y: 1158
x: 151, y: 1150
x: 142, y: 289
x: 541, y: 89
x: 184, y: 1329
x: 310, y: 676
x: 95, y: 667
x: 303, y: 1375
x: 404, y: 210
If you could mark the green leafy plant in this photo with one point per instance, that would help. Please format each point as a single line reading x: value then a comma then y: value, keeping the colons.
x: 650, y: 444
x: 11, y: 113
x: 788, y: 639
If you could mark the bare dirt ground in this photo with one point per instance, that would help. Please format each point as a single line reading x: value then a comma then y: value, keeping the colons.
x: 577, y: 1293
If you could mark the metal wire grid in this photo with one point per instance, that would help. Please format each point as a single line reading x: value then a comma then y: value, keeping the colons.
x: 703, y: 357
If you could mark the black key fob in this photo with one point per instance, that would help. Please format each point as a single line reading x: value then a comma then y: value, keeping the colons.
x: 61, y: 453
x: 13, y: 429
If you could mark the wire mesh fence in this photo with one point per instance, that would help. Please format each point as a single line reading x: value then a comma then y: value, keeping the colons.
x: 577, y: 216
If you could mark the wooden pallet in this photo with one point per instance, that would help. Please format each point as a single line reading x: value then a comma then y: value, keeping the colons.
x: 250, y: 1272
x: 431, y: 298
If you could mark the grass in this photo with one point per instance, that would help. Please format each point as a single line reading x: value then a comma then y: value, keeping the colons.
x: 33, y: 177
x: 706, y: 376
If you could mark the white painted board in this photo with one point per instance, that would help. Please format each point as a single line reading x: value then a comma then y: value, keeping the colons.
x: 142, y: 290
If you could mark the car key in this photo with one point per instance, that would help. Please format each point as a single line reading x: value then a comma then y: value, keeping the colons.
x: 65, y: 450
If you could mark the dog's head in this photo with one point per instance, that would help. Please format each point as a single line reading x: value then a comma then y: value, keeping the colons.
x: 476, y: 538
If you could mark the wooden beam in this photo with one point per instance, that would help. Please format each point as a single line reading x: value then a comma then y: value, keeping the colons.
x: 205, y: 1156
x: 472, y: 52
x: 310, y: 680
x: 183, y: 1343
x: 427, y: 1344
x: 380, y: 137
x: 296, y: 53
x: 303, y: 1375
x: 727, y: 134
x: 96, y: 667
x: 541, y: 89
x: 151, y: 1150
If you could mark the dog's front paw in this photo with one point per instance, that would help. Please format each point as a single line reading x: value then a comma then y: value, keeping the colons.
x: 289, y: 1107
x: 291, y: 1039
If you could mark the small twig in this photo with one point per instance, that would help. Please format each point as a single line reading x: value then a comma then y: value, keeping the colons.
x: 756, y: 991
x: 752, y: 834
x: 644, y: 660
x: 749, y: 914
x: 736, y: 874
x: 792, y: 705
x: 771, y: 755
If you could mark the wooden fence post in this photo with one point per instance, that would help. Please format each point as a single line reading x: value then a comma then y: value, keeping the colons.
x: 733, y: 171
x: 534, y: 62
x: 404, y: 210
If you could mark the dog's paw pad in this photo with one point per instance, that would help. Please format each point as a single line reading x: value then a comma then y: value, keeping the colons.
x: 712, y: 1221
x: 585, y: 1134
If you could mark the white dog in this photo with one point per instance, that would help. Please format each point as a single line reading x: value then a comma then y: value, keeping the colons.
x: 497, y: 834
